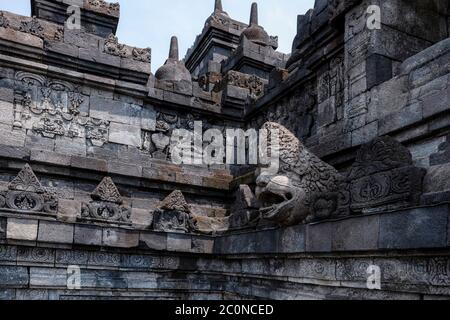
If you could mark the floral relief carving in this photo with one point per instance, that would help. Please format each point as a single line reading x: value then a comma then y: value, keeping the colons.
x: 25, y: 193
x: 106, y: 205
x: 32, y: 26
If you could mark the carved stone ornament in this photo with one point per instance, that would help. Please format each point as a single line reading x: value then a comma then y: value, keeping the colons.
x: 55, y: 108
x: 173, y: 215
x: 113, y: 47
x: 106, y: 205
x: 303, y: 184
x: 383, y: 177
x: 26, y: 194
x: 32, y: 26
x: 4, y: 22
x: 253, y: 83
x: 110, y: 8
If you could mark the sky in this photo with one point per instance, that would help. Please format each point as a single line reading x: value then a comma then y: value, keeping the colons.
x: 151, y: 23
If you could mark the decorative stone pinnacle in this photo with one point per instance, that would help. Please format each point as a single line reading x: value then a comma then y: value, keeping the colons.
x: 254, y: 14
x: 173, y: 53
x: 218, y: 6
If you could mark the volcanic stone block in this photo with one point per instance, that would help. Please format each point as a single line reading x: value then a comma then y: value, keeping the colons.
x: 141, y: 280
x: 21, y: 37
x: 125, y: 134
x: 55, y: 232
x: 415, y: 229
x: 115, y: 111
x: 20, y: 229
x: 436, y: 103
x: 148, y: 118
x: 16, y: 277
x: 3, y: 223
x: 365, y: 134
x: 50, y: 157
x: 292, y: 239
x: 48, y: 277
x: 202, y: 245
x: 356, y: 234
x: 403, y: 118
x: 94, y: 55
x: 120, y: 238
x: 141, y: 218
x: 7, y: 112
x: 88, y: 235
x: 32, y: 295
x: 179, y: 242
x: 155, y: 241
x: 125, y: 169
x: 68, y: 210
x: 89, y: 163
x: 437, y: 178
x: 319, y: 237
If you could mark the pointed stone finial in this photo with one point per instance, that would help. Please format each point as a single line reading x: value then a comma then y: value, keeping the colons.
x: 173, y: 53
x: 254, y: 14
x: 175, y: 202
x: 26, y: 180
x: 218, y: 6
x: 107, y: 191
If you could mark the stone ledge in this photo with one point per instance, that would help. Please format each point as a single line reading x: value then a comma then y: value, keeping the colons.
x: 411, y: 229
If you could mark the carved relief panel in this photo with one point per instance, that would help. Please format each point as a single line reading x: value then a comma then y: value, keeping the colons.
x: 55, y: 108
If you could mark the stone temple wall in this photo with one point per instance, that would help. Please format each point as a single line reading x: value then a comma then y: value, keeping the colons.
x: 86, y: 177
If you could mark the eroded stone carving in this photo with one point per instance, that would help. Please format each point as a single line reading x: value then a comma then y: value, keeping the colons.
x: 4, y: 22
x: 110, y: 8
x: 55, y: 108
x: 173, y: 215
x: 253, y: 83
x: 303, y: 184
x: 107, y: 205
x: 383, y: 177
x: 25, y: 193
x: 32, y: 26
x: 113, y: 47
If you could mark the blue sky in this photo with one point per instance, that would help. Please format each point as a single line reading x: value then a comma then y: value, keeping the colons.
x: 151, y: 23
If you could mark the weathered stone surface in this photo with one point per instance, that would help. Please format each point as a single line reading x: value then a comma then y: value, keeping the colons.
x: 21, y: 229
x: 414, y: 229
x: 356, y: 234
x: 69, y: 210
x: 15, y: 277
x: 120, y: 238
x: 55, y: 232
x: 154, y: 241
x: 125, y: 134
x: 319, y: 237
x: 88, y: 235
x: 179, y: 242
x: 292, y: 239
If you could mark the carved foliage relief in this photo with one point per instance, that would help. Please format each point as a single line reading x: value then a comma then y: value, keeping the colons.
x: 106, y: 205
x: 26, y: 194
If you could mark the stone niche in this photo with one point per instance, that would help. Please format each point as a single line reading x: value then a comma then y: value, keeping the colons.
x: 383, y: 177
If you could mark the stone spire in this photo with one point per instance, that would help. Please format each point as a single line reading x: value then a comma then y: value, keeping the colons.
x: 218, y: 6
x: 254, y: 15
x: 173, y: 52
x: 174, y: 70
x: 255, y: 33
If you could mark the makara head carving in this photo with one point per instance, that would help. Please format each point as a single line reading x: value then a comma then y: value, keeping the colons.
x: 303, y: 190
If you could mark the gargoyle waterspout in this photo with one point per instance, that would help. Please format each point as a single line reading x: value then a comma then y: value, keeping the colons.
x: 305, y: 188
